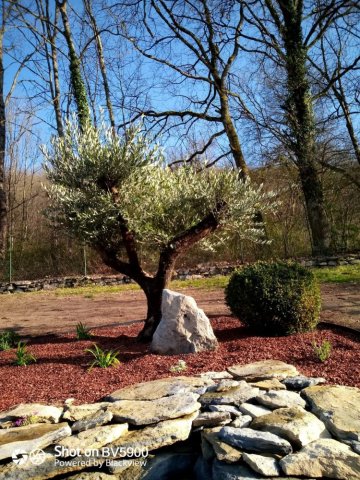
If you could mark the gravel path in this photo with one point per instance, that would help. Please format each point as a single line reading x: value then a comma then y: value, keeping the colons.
x: 38, y: 314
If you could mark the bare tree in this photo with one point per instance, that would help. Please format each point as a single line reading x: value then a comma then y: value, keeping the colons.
x: 197, y: 43
x: 287, y: 30
x: 101, y: 60
x: 3, y: 203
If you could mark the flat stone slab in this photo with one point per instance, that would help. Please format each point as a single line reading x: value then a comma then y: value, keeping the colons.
x: 253, y: 410
x: 215, y: 375
x: 281, y: 399
x: 163, y: 387
x: 212, y: 419
x: 266, y: 466
x: 222, y: 450
x: 235, y: 396
x: 142, y: 412
x: 92, y: 421
x: 263, y: 370
x: 269, y: 384
x: 323, y: 458
x: 81, y: 412
x: 94, y: 438
x: 338, y: 407
x: 224, y: 386
x: 160, y: 435
x: 234, y: 412
x: 300, y: 381
x: 44, y: 413
x: 241, y: 422
x: 295, y: 424
x: 253, y: 441
x: 31, y: 437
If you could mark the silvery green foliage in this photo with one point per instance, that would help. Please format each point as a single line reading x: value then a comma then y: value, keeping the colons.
x: 157, y: 203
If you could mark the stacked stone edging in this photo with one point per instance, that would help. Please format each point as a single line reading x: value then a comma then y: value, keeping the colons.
x: 255, y: 421
x: 201, y: 271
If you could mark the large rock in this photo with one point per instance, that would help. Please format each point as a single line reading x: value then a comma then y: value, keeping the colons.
x: 43, y: 413
x: 145, y: 412
x: 94, y: 438
x: 295, y: 424
x: 281, y: 399
x: 31, y: 437
x: 184, y: 328
x: 338, y: 407
x: 263, y: 370
x: 253, y: 441
x: 163, y: 387
x: 324, y: 458
x: 160, y: 435
x: 235, y: 396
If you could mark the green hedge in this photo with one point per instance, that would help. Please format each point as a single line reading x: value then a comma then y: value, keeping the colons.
x: 275, y: 298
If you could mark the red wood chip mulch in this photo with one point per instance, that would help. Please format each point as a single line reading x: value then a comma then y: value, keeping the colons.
x: 61, y: 370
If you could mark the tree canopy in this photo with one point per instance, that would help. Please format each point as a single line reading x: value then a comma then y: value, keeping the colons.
x: 117, y: 193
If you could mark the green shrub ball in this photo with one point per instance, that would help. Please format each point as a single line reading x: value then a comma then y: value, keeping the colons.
x: 275, y: 298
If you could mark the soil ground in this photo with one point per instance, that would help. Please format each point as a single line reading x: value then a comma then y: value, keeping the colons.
x: 42, y: 313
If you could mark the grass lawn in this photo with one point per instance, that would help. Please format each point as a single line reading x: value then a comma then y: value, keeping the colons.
x: 341, y: 274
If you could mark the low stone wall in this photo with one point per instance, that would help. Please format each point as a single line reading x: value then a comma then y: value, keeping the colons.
x: 200, y: 271
x: 261, y: 420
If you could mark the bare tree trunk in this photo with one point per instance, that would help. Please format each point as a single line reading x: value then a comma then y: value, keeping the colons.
x: 101, y: 59
x: 341, y: 98
x: 3, y: 202
x: 55, y: 69
x: 233, y: 137
x: 299, y: 109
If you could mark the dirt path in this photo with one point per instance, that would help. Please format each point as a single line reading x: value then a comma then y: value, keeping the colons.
x: 45, y: 313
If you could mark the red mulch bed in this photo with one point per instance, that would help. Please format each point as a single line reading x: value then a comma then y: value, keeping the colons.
x: 61, y: 369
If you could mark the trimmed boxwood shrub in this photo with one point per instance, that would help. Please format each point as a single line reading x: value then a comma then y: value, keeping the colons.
x: 275, y: 298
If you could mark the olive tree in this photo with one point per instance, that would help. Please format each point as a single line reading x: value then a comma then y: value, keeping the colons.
x: 118, y: 194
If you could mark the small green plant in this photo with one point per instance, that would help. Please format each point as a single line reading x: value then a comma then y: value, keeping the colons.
x: 180, y: 366
x: 82, y: 332
x: 322, y: 350
x: 23, y: 356
x: 8, y: 339
x: 103, y: 358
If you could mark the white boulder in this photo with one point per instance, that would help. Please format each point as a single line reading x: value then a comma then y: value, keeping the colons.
x: 183, y: 328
